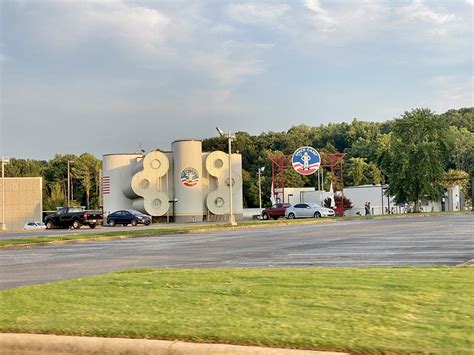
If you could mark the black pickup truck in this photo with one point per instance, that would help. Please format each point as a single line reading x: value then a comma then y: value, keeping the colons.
x: 75, y: 217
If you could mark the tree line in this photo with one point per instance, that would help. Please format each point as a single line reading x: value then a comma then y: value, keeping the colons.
x: 418, y: 154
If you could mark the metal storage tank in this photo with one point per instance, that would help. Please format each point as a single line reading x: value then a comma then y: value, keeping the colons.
x: 187, y: 156
x: 116, y: 173
x: 237, y: 190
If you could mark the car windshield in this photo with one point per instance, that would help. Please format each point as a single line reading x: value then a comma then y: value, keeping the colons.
x: 315, y: 205
x: 40, y: 224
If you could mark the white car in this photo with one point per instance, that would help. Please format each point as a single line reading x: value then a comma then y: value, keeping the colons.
x: 308, y: 210
x: 34, y: 225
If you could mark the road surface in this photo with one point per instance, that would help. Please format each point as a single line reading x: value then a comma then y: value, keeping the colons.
x: 420, y: 241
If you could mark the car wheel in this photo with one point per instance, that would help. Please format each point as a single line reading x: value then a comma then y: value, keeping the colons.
x: 76, y: 224
x: 147, y: 223
x: 125, y: 224
x: 92, y: 226
x: 291, y: 216
x: 49, y: 225
x: 317, y: 214
x: 265, y: 216
x: 134, y: 222
x: 111, y: 223
x: 275, y: 218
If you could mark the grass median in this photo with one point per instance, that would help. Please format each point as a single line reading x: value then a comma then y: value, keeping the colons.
x: 146, y: 232
x: 399, y: 310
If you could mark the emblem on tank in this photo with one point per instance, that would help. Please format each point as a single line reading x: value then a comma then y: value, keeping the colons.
x: 189, y: 177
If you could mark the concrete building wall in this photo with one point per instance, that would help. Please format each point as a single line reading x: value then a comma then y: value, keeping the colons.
x: 23, y: 201
x: 295, y: 195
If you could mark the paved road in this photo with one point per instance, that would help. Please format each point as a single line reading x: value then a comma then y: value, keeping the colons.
x: 446, y: 240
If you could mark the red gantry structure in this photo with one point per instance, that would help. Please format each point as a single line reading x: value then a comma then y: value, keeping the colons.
x: 334, y: 161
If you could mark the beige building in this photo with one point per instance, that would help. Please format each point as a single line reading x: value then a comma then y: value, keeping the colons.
x: 23, y: 201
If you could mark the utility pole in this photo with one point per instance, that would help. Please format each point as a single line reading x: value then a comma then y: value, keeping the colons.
x: 230, y: 138
x: 3, y: 192
x: 260, y: 171
x: 69, y: 182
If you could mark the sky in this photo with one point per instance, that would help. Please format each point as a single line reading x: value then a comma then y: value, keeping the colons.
x: 119, y: 76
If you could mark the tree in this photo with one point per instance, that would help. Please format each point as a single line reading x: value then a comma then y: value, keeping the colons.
x: 462, y: 149
x: 56, y: 197
x: 356, y: 170
x: 415, y: 162
x: 85, y: 169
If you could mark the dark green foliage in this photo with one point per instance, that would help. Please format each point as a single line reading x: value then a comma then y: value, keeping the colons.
x: 412, y: 152
x: 415, y: 167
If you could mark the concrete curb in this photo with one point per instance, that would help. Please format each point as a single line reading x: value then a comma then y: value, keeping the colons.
x: 467, y: 263
x: 37, y: 344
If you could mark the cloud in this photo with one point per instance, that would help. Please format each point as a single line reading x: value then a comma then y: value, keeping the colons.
x: 323, y: 19
x: 171, y: 36
x: 418, y: 11
x: 339, y: 22
x: 69, y: 25
x: 420, y: 22
x: 257, y: 13
x: 232, y: 61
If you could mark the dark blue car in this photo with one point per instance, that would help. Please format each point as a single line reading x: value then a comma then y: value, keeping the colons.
x: 126, y: 217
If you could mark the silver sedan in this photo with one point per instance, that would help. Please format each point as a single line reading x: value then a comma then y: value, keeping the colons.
x: 308, y: 210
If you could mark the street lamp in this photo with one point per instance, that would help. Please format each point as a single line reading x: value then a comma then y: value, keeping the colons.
x: 260, y: 171
x: 4, y: 161
x: 230, y: 137
x: 69, y: 182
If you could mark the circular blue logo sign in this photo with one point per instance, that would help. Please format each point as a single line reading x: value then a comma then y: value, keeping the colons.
x: 189, y: 177
x: 306, y: 160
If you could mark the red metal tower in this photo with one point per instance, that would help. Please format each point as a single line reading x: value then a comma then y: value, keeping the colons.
x: 334, y: 161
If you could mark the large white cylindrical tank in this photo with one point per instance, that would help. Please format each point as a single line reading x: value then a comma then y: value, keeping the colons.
x: 116, y: 172
x: 187, y: 156
x: 237, y: 188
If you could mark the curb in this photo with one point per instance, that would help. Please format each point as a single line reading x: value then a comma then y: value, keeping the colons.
x: 467, y: 263
x: 37, y: 344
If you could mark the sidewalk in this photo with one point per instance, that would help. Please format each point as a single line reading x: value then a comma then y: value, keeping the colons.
x: 16, y: 344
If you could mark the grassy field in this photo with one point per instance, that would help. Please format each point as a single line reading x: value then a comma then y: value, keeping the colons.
x: 353, y: 309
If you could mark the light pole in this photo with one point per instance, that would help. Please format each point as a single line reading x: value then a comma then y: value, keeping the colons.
x: 230, y: 137
x: 69, y: 182
x: 3, y: 191
x: 260, y: 171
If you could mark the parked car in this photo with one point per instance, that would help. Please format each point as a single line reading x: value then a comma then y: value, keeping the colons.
x: 276, y: 211
x: 126, y: 217
x: 308, y: 210
x: 74, y: 217
x: 34, y: 225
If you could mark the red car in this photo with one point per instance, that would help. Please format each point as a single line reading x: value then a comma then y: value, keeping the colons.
x: 276, y: 211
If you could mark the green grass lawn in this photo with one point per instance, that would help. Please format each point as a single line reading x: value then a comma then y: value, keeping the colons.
x: 352, y: 309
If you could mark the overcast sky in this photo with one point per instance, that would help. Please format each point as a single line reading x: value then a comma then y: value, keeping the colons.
x: 108, y: 76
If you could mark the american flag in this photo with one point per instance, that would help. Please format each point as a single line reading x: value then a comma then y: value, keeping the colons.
x: 105, y: 185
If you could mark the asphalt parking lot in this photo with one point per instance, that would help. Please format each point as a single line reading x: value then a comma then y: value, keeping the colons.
x: 420, y: 241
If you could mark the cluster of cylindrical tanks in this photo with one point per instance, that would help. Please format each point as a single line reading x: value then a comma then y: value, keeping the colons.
x: 185, y: 183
